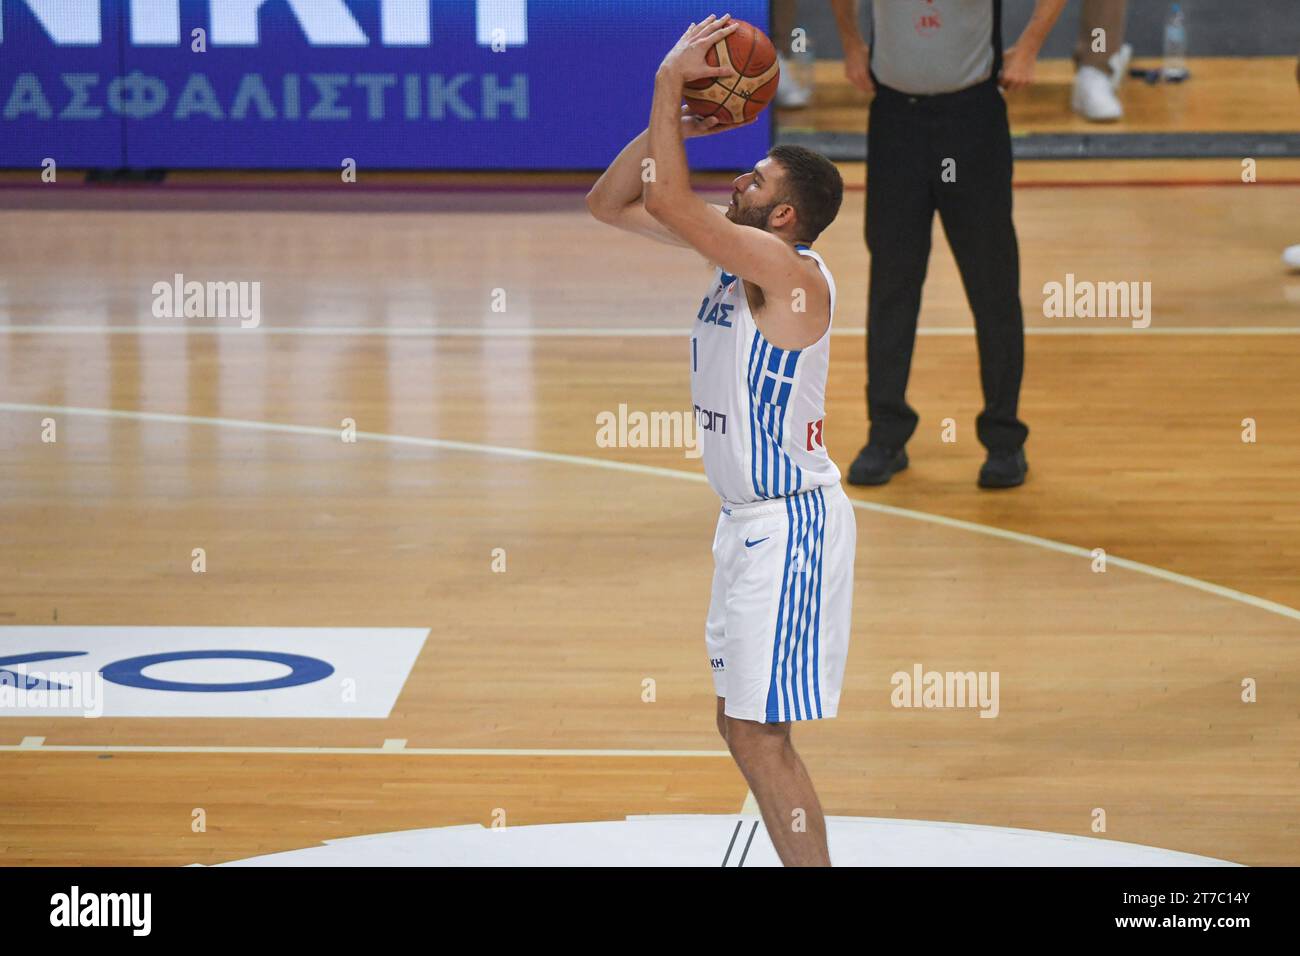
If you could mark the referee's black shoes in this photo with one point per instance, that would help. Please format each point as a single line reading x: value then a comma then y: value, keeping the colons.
x: 1004, y: 469
x: 876, y: 464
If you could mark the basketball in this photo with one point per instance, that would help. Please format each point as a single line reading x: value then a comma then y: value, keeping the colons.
x: 742, y: 96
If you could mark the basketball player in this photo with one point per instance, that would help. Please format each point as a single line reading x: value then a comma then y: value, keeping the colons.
x: 777, y: 630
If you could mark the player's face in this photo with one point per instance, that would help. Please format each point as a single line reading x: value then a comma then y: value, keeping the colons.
x: 754, y: 195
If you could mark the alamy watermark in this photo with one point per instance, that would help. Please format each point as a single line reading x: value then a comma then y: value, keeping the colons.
x: 74, y: 908
x: 658, y: 429
x: 208, y: 300
x: 69, y: 692
x: 1084, y: 299
x: 946, y: 689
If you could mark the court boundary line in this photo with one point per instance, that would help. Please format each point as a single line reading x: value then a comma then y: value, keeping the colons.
x: 530, y: 454
x: 358, y: 751
x: 178, y: 189
x: 488, y: 332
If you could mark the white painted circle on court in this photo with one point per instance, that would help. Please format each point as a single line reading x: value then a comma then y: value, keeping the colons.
x: 713, y: 840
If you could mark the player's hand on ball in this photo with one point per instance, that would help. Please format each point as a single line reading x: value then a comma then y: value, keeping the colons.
x: 685, y: 62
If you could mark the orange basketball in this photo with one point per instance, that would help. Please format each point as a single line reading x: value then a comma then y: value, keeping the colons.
x: 742, y: 96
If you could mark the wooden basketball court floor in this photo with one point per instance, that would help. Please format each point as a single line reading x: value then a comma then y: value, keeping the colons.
x: 1120, y: 690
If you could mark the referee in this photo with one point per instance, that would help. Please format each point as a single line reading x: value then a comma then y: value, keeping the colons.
x: 938, y: 140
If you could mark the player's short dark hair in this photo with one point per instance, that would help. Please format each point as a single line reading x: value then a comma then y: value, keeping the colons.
x: 812, y: 185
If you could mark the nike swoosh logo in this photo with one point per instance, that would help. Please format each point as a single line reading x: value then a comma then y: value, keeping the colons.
x: 750, y: 544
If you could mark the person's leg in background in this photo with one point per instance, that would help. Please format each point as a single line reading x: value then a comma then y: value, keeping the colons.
x: 1291, y: 254
x: 975, y: 208
x: 795, y: 90
x: 900, y: 218
x: 1100, y: 60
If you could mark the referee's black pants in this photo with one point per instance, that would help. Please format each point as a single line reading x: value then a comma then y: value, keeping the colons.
x: 950, y: 153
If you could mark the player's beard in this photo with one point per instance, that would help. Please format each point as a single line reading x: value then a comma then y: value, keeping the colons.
x: 755, y: 216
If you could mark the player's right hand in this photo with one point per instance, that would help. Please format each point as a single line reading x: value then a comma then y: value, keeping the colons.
x: 687, y: 60
x: 857, y: 67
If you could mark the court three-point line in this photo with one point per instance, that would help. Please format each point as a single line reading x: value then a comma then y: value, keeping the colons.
x: 530, y: 454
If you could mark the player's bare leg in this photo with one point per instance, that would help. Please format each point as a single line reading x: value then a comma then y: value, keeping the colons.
x: 780, y: 783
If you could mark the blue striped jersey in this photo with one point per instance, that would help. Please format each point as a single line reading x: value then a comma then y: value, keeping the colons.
x: 759, y: 410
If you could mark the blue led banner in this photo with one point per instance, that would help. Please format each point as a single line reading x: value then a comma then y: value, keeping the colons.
x: 437, y: 84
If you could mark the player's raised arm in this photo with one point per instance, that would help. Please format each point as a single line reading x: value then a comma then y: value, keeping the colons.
x: 759, y: 256
x: 616, y: 197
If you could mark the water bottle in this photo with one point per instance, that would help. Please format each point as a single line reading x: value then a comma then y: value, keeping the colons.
x: 1174, y: 69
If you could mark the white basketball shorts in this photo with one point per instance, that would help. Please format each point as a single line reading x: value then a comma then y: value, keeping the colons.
x: 778, y: 627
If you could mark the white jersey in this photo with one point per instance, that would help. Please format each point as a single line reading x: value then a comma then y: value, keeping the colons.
x: 758, y: 409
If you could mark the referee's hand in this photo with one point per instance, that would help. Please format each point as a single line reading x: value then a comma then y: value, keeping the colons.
x: 1017, y: 68
x: 857, y: 66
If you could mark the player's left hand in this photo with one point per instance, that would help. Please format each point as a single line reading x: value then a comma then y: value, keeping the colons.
x: 685, y: 61
x: 693, y: 126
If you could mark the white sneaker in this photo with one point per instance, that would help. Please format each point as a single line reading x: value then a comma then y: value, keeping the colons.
x: 1119, y: 65
x: 790, y: 93
x: 1291, y: 256
x: 1093, y: 97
